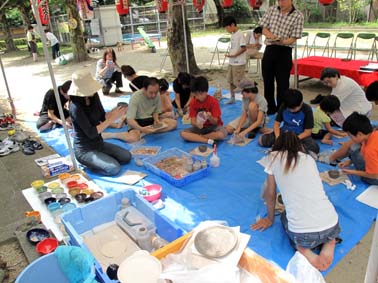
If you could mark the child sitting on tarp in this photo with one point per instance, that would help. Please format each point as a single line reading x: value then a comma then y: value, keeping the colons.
x: 310, y: 219
x: 252, y: 119
x: 363, y: 152
x: 296, y: 117
x: 321, y: 121
x: 205, y: 114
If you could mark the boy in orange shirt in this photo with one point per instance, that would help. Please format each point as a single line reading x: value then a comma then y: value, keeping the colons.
x: 364, y: 152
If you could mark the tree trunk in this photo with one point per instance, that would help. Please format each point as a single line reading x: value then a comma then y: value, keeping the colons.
x: 176, y: 40
x: 220, y: 13
x: 25, y: 15
x: 9, y: 43
x: 76, y: 33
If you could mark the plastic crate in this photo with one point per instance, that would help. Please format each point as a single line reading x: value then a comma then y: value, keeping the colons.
x: 158, y: 148
x: 149, y: 163
x: 84, y: 219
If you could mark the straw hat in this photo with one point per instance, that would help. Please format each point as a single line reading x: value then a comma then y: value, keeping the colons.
x: 83, y: 84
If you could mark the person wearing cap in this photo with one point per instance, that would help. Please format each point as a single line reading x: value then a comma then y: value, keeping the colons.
x: 205, y: 115
x: 89, y: 122
x: 108, y: 72
x: 254, y: 108
x: 49, y: 116
x: 145, y: 108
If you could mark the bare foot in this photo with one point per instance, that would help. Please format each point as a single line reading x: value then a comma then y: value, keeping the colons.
x: 326, y: 254
x: 327, y: 142
x: 312, y: 257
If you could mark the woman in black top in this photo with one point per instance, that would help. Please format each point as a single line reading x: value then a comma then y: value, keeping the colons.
x: 89, y: 121
x: 181, y: 87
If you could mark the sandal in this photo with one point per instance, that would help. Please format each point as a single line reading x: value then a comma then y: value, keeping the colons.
x: 36, y: 145
x: 27, y: 148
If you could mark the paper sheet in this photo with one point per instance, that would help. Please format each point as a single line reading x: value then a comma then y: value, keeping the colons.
x: 131, y: 177
x: 369, y: 196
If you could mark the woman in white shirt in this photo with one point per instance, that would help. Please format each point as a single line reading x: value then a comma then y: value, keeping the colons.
x: 310, y: 220
x: 54, y: 43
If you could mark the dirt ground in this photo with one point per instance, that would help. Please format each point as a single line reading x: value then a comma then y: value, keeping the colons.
x: 28, y: 82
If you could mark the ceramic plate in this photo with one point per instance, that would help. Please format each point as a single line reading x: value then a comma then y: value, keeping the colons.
x: 216, y: 241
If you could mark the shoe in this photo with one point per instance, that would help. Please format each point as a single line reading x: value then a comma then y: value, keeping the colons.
x: 117, y: 90
x: 317, y: 99
x: 27, y: 148
x: 7, y: 146
x: 231, y: 101
x: 19, y: 137
x: 105, y: 90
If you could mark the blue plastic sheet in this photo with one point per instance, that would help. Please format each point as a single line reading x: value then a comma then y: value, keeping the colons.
x: 232, y: 192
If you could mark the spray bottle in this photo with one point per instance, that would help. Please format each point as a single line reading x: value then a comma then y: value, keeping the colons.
x: 214, y: 159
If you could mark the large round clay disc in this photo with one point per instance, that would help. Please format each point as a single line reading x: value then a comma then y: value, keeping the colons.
x: 113, y: 249
x: 216, y: 241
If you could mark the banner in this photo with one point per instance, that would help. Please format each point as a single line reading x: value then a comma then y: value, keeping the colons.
x: 43, y: 10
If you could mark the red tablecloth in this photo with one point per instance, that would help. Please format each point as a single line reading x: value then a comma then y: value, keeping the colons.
x: 312, y: 67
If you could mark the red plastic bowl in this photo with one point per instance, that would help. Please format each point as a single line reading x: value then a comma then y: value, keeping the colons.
x: 47, y: 246
x: 154, y: 192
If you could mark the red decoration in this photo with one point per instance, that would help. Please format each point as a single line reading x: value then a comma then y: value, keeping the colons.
x: 255, y: 4
x: 227, y: 4
x: 326, y: 2
x: 43, y: 10
x: 198, y: 4
x: 162, y: 5
x: 122, y: 6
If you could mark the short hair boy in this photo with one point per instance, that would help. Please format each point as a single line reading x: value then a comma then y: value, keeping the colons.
x: 136, y: 81
x: 236, y: 55
x: 372, y: 92
x: 205, y: 115
x: 297, y: 117
x: 364, y: 152
x: 322, y: 129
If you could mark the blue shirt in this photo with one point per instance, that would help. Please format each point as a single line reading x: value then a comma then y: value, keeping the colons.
x: 296, y: 122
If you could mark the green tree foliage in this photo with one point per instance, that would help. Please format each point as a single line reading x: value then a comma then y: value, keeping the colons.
x: 240, y: 10
x: 353, y: 7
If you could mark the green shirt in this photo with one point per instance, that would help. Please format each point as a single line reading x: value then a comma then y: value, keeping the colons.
x: 320, y: 118
x: 142, y: 107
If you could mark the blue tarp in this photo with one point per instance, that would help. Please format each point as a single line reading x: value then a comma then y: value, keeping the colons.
x: 232, y: 192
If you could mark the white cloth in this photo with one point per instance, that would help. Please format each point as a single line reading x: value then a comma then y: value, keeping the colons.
x: 352, y: 97
x: 52, y: 38
x: 237, y: 41
x: 308, y: 208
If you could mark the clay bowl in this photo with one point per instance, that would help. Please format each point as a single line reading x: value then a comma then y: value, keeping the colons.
x: 45, y: 195
x: 53, y: 206
x: 71, y: 184
x: 82, y: 186
x: 73, y: 192
x: 80, y: 197
x: 202, y: 148
x: 57, y: 190
x: 64, y: 176
x: 47, y: 246
x: 96, y: 195
x: 36, y: 235
x: 49, y: 200
x: 41, y: 189
x: 334, y: 174
x: 64, y: 200
x: 37, y: 183
x: 53, y: 185
x: 89, y: 199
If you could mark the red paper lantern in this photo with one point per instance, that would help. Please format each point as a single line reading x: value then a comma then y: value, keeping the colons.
x: 43, y: 10
x: 198, y: 4
x: 227, y: 4
x: 255, y: 4
x: 326, y: 2
x: 122, y: 6
x: 162, y: 5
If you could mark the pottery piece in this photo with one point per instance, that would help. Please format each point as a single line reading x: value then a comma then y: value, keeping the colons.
x: 36, y: 235
x: 64, y: 200
x: 37, y: 183
x: 41, y: 189
x: 334, y: 174
x: 80, y: 197
x: 202, y: 148
x: 97, y: 195
x: 49, y: 200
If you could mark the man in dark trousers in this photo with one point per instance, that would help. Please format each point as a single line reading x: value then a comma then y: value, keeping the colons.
x: 282, y: 26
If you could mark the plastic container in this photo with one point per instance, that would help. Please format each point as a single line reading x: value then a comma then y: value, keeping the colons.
x: 86, y: 218
x: 36, y: 271
x: 153, y: 192
x: 134, y: 150
x: 149, y: 163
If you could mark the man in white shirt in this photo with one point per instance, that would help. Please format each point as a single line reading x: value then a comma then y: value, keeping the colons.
x: 254, y: 43
x: 236, y: 55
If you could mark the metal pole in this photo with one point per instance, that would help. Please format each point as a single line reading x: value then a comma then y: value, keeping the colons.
x: 185, y: 42
x: 295, y: 67
x: 10, y: 99
x: 48, y: 61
